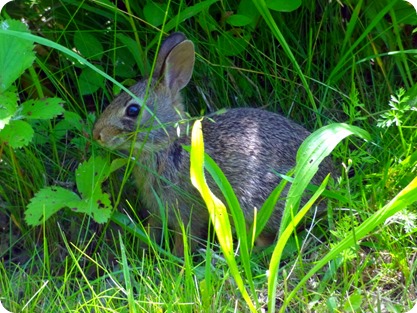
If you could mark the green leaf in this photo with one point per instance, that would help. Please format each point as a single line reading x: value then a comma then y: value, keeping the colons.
x: 88, y: 45
x: 353, y: 303
x: 311, y: 153
x: 44, y: 109
x: 16, y: 134
x: 8, y: 107
x: 98, y: 206
x: 154, y: 13
x: 238, y: 20
x: 90, y: 175
x: 47, y: 202
x: 248, y: 9
x: 16, y: 54
x: 90, y: 81
x: 216, y: 208
x: 283, y: 5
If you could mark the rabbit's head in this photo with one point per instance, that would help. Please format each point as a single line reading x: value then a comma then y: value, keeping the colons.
x: 150, y: 119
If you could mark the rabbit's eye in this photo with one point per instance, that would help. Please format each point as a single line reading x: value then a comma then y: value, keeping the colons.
x: 133, y: 110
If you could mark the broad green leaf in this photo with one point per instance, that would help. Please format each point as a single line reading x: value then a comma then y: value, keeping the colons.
x: 88, y: 45
x: 43, y: 109
x: 8, y: 107
x: 90, y: 81
x: 283, y: 5
x: 47, y: 202
x: 154, y: 13
x: 16, y: 134
x: 16, y: 54
x: 98, y: 206
x: 405, y: 13
x: 311, y: 153
x: 90, y: 175
x: 238, y: 20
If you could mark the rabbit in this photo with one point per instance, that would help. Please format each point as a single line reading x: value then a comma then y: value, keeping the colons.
x: 250, y: 145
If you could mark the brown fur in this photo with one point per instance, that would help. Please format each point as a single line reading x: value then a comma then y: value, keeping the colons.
x: 250, y: 146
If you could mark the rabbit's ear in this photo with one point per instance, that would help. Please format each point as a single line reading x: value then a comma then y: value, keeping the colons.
x: 167, y: 45
x: 179, y: 65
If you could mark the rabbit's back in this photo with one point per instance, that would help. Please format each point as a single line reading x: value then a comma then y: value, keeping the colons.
x: 252, y: 146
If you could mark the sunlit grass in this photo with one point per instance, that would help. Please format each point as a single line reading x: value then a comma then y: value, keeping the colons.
x: 358, y: 257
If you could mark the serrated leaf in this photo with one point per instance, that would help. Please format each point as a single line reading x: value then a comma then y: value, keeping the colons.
x: 154, y: 13
x: 47, y: 202
x: 43, y: 109
x: 98, y: 206
x: 16, y: 54
x: 16, y: 134
x: 90, y: 81
x: 8, y: 107
x: 88, y: 45
x: 238, y: 20
x: 90, y: 175
x: 283, y: 5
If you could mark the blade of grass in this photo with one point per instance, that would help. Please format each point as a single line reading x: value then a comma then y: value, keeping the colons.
x: 236, y: 211
x: 266, y: 14
x: 217, y: 210
x: 403, y: 199
x: 311, y: 153
x: 282, y: 241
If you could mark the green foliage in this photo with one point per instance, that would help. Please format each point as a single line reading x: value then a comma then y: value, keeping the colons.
x: 16, y: 55
x: 218, y: 213
x: 89, y: 177
x: 315, y: 62
x: 88, y: 45
x: 17, y: 132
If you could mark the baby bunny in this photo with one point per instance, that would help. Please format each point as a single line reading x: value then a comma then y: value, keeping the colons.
x: 250, y: 146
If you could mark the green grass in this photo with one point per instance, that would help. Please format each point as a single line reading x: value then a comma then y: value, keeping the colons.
x: 317, y: 65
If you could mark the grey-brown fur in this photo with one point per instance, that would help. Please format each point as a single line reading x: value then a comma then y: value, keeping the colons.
x: 250, y: 145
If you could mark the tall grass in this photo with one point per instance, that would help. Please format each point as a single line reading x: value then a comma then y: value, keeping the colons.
x: 318, y: 65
